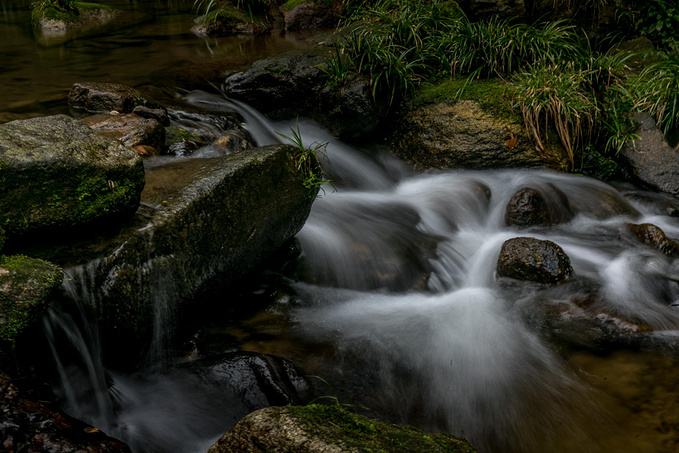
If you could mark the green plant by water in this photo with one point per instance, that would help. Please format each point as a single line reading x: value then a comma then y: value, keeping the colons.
x: 308, y: 162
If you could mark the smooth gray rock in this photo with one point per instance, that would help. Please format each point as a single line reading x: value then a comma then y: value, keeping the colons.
x: 57, y: 172
x: 653, y: 162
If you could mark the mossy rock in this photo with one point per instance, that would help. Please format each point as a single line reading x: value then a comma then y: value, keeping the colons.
x: 25, y: 288
x: 58, y: 173
x: 52, y: 21
x: 229, y: 20
x: 328, y: 429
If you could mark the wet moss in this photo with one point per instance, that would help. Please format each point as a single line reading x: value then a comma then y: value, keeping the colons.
x: 337, y: 425
x: 494, y: 96
x: 174, y: 134
x: 25, y: 287
x: 44, y: 11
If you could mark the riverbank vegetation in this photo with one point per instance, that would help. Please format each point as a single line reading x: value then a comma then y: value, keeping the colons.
x: 568, y: 79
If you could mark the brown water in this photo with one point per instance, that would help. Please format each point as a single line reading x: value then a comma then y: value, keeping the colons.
x: 152, y: 45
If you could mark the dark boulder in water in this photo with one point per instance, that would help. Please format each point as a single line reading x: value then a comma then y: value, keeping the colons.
x: 530, y: 207
x: 105, y: 97
x: 531, y: 259
x: 654, y: 237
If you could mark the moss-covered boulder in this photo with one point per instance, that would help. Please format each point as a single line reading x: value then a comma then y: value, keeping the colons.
x: 54, y: 20
x: 26, y: 285
x: 462, y: 135
x: 328, y: 429
x: 535, y: 260
x: 56, y: 172
x: 310, y: 14
x: 461, y: 124
x: 201, y: 222
x: 96, y: 97
x: 230, y: 20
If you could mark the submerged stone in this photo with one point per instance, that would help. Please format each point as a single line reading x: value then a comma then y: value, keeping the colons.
x: 26, y: 285
x: 57, y: 172
x: 328, y: 429
x: 531, y: 259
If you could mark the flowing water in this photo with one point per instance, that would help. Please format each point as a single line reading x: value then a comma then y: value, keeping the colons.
x: 394, y: 301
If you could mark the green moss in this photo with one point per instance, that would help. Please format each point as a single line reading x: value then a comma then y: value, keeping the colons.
x: 292, y: 4
x: 174, y: 134
x: 47, y: 11
x: 340, y: 426
x: 494, y: 96
x: 25, y: 287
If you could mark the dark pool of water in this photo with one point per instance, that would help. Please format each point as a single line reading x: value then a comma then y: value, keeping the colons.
x: 153, y: 44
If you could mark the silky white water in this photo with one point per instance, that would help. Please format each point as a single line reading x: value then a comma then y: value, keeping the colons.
x: 397, y: 277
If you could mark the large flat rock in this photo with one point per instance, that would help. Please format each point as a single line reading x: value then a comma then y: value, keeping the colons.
x: 200, y: 220
x: 56, y: 172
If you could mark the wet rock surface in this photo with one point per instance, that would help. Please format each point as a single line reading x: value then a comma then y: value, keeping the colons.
x: 531, y: 259
x: 326, y: 429
x: 258, y: 380
x: 654, y: 237
x: 461, y: 136
x: 653, y: 161
x: 104, y: 97
x: 285, y: 81
x: 57, y: 172
x: 131, y: 130
x: 26, y: 285
x: 529, y: 207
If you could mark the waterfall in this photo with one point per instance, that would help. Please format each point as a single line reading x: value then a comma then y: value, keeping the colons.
x: 399, y: 277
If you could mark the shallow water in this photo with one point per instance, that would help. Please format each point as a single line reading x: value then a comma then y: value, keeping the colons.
x: 154, y: 46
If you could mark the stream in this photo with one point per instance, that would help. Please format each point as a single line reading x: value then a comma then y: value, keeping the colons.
x: 394, y: 300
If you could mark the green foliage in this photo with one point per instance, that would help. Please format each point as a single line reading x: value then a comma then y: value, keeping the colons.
x: 231, y: 8
x: 656, y: 91
x: 308, y: 161
x: 656, y: 19
x: 358, y: 433
x: 557, y: 96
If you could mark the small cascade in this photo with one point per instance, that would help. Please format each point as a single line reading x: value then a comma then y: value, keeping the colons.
x: 400, y: 298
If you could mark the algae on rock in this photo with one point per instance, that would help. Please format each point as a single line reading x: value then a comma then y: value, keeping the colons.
x: 25, y: 287
x: 56, y: 173
x: 329, y: 429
